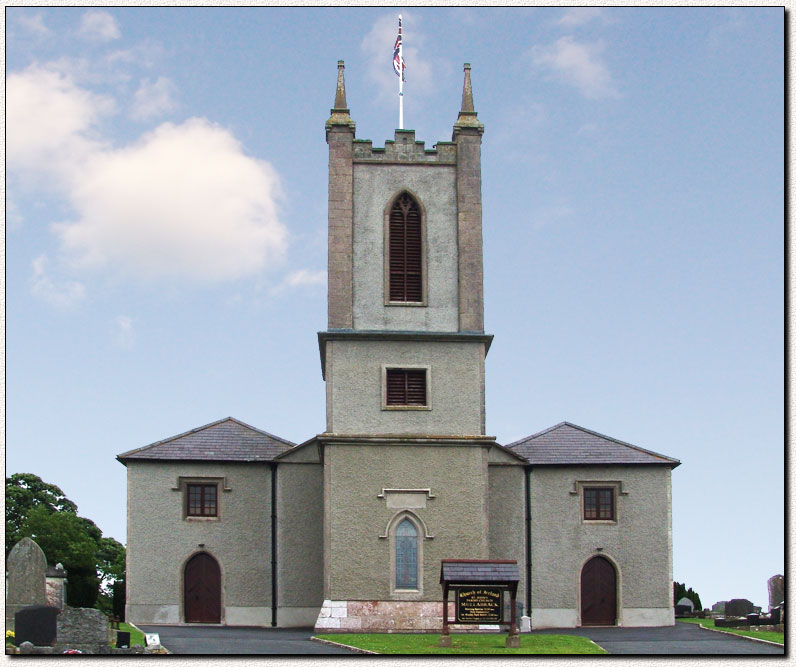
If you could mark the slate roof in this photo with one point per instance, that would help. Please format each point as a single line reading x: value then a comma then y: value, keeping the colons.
x: 225, y: 440
x: 478, y: 571
x: 569, y: 444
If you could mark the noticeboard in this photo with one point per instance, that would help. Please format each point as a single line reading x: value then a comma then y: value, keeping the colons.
x: 479, y: 604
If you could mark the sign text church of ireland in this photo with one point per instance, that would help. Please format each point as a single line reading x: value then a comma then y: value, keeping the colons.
x: 228, y: 524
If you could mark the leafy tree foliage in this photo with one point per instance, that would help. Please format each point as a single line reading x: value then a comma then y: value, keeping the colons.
x: 42, y: 512
x: 681, y: 592
x: 25, y: 491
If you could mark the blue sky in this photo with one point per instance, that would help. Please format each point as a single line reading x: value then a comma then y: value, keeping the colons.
x: 633, y: 190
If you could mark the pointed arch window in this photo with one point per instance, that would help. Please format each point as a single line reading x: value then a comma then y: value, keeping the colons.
x: 405, y: 262
x: 406, y: 555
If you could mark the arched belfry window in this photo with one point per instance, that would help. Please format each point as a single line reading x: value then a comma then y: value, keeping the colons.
x: 405, y: 263
x: 406, y: 555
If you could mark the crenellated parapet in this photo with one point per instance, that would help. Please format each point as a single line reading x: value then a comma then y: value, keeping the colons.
x: 405, y: 149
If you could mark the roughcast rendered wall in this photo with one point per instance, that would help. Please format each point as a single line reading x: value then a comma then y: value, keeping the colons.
x: 160, y: 540
x: 639, y: 543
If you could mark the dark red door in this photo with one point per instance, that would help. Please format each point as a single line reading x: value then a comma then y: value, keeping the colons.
x: 202, y: 590
x: 598, y: 593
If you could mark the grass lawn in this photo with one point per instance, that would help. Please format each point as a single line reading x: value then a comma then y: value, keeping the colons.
x: 136, y: 636
x: 778, y: 637
x: 477, y: 644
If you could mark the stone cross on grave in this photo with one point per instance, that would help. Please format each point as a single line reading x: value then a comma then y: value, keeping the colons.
x: 26, y: 584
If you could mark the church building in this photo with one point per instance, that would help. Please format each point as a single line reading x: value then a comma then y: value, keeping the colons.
x: 228, y: 524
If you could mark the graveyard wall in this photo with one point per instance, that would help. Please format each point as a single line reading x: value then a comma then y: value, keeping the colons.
x: 160, y: 540
x: 639, y: 543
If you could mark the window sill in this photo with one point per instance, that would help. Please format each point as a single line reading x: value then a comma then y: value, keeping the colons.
x: 602, y: 522
x: 410, y: 304
x: 201, y: 518
x: 406, y: 407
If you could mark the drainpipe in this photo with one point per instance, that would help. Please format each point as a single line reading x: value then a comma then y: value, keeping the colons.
x: 528, y: 565
x: 273, y: 545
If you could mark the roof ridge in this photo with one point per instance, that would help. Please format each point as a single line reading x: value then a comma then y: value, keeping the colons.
x: 602, y: 436
x: 197, y: 430
x: 536, y: 435
x: 621, y: 442
x: 259, y: 430
x: 175, y: 437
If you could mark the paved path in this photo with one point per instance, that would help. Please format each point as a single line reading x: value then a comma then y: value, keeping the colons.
x: 682, y: 638
x: 208, y: 640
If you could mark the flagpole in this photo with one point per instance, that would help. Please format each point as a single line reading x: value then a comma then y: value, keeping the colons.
x: 400, y: 78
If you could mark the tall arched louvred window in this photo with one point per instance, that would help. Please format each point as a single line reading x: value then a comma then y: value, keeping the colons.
x: 406, y: 251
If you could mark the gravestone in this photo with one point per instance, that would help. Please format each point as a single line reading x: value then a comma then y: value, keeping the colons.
x: 56, y: 586
x: 26, y: 583
x: 776, y: 591
x: 739, y: 607
x: 36, y: 624
x: 122, y: 639
x: 684, y: 606
x: 80, y: 626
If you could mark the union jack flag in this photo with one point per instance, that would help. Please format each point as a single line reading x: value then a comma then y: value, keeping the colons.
x: 398, y: 63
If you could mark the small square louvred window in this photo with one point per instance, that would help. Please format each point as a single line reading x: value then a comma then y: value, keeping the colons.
x: 406, y: 387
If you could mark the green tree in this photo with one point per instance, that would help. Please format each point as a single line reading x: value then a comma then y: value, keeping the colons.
x: 63, y: 538
x: 680, y: 591
x: 41, y: 511
x: 24, y: 491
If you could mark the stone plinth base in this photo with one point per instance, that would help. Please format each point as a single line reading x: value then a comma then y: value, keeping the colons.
x: 381, y: 616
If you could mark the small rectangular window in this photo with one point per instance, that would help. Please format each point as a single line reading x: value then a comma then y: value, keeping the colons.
x: 201, y: 500
x: 598, y: 504
x: 406, y: 387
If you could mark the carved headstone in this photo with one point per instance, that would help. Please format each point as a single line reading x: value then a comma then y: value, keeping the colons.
x: 776, y: 591
x: 26, y: 585
x: 56, y: 586
x: 738, y: 607
x: 81, y: 625
x: 36, y: 624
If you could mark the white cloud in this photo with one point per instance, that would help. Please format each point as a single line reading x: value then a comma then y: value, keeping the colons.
x: 34, y: 24
x: 579, y: 64
x: 578, y: 16
x: 99, y: 25
x: 378, y: 46
x: 125, y: 334
x: 153, y: 98
x: 49, y: 120
x: 300, y: 278
x: 305, y: 277
x: 184, y: 201
x: 62, y: 295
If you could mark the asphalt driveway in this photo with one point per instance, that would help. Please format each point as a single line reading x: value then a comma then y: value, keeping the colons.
x: 214, y: 640
x: 680, y: 639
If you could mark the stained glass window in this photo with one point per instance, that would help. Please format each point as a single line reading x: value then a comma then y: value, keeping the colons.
x: 406, y: 555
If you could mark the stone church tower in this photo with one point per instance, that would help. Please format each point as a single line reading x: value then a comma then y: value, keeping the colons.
x: 405, y: 454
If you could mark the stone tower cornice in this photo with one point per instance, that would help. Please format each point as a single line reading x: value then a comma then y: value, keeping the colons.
x: 405, y: 149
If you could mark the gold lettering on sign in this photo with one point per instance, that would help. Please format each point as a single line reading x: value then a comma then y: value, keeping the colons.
x: 479, y: 605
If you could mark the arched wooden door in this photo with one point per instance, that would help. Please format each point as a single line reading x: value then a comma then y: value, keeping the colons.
x: 202, y: 590
x: 598, y: 592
